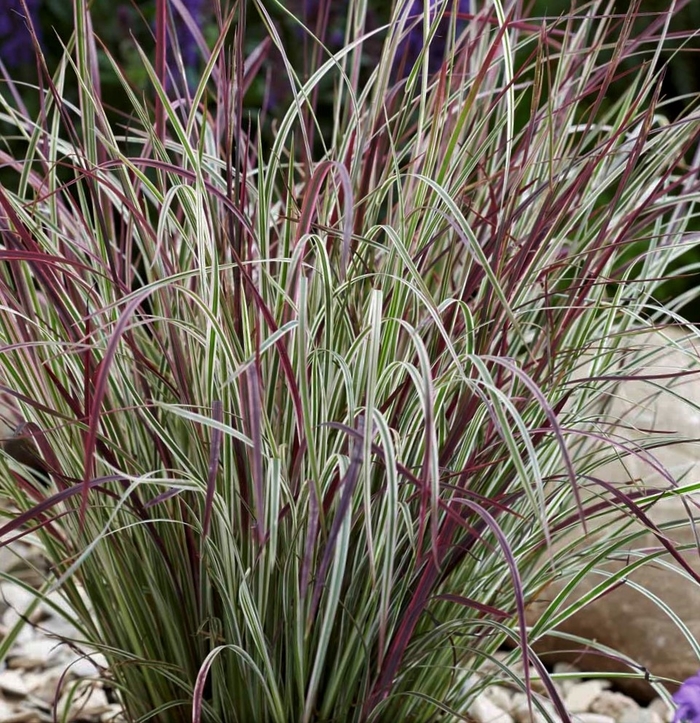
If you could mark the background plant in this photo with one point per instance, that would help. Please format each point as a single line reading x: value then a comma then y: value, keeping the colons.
x: 307, y: 407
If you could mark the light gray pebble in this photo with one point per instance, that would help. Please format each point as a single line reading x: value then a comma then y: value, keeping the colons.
x: 38, y: 653
x: 88, y: 667
x: 13, y: 683
x: 615, y: 705
x: 567, y: 676
x: 500, y: 695
x: 592, y: 718
x: 641, y: 715
x: 484, y: 710
x: 662, y: 709
x: 580, y: 697
x: 524, y: 713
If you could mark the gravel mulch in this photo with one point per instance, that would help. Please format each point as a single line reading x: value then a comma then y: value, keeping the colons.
x: 46, y: 671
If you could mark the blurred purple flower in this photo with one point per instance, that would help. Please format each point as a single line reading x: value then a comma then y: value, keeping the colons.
x: 186, y: 44
x: 687, y: 698
x: 185, y: 39
x: 16, y: 47
x: 411, y: 46
x: 311, y: 7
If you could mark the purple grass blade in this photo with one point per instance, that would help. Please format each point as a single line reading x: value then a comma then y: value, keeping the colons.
x: 349, y: 483
x: 254, y: 398
x: 100, y: 390
x: 214, y: 453
x: 310, y: 546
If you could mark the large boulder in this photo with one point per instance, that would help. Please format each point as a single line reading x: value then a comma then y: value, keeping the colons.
x: 662, y: 409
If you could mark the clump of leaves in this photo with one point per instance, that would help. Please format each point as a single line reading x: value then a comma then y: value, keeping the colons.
x: 307, y: 408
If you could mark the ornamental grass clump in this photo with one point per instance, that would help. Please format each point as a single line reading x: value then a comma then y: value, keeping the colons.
x: 308, y: 408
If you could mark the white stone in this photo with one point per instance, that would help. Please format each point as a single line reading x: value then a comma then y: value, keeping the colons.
x: 25, y: 633
x: 113, y: 715
x: 88, y: 667
x: 15, y: 595
x: 642, y: 715
x: 9, y: 560
x: 38, y: 653
x: 89, y: 701
x: 18, y: 601
x: 662, y: 709
x: 14, y: 714
x: 56, y: 601
x: 484, y: 710
x: 538, y: 686
x: 43, y: 684
x: 571, y: 676
x: 13, y: 683
x: 591, y: 718
x: 615, y: 705
x: 522, y: 712
x: 500, y: 695
x: 60, y: 628
x: 580, y: 697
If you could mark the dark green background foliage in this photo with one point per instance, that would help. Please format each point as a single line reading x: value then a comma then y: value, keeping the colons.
x: 116, y: 28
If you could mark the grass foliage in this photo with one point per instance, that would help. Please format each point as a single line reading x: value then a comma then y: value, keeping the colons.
x: 311, y: 409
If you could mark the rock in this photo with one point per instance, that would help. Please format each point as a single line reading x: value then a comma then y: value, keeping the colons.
x: 591, y: 718
x: 113, y: 715
x: 11, y: 617
x: 537, y: 685
x: 14, y: 714
x: 17, y: 600
x: 642, y: 715
x: 625, y: 620
x: 60, y: 628
x: 617, y: 706
x: 580, y: 697
x: 25, y: 633
x: 517, y: 673
x: 521, y: 711
x: 37, y: 653
x: 484, y: 710
x: 88, y: 666
x: 30, y: 565
x: 37, y: 662
x: 567, y: 676
x: 87, y: 702
x: 500, y: 696
x: 12, y: 557
x: 662, y: 709
x: 13, y: 683
x: 43, y: 684
x: 56, y: 602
